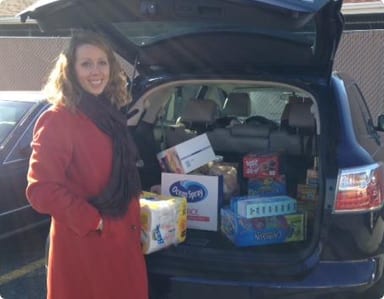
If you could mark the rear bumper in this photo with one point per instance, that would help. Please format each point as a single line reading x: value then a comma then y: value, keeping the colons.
x: 327, y: 277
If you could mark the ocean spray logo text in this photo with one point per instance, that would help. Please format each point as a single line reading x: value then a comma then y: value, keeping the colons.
x: 192, y: 191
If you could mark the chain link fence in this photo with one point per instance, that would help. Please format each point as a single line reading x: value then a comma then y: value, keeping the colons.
x: 26, y: 62
x: 361, y: 54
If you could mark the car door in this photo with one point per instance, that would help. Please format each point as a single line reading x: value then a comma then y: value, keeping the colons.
x: 176, y: 36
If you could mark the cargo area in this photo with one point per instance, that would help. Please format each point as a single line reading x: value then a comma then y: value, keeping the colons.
x: 264, y: 138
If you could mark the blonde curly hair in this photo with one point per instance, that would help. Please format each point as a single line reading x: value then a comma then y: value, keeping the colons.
x: 62, y: 87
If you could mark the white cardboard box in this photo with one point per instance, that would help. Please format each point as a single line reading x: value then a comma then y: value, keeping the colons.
x: 187, y: 156
x: 203, y: 193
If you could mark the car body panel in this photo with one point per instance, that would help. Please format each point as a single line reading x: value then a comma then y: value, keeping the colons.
x: 179, y: 37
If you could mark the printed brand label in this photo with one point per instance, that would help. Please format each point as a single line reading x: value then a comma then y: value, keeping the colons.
x: 192, y: 191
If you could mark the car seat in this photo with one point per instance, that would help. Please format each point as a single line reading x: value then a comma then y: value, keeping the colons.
x: 236, y: 107
x: 197, y: 117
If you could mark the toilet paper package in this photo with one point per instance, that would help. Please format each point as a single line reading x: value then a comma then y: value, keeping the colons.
x: 163, y: 221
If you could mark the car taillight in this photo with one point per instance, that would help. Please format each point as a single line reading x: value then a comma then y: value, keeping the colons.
x: 359, y: 189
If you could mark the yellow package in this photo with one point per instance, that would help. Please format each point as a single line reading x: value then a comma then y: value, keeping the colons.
x: 163, y: 221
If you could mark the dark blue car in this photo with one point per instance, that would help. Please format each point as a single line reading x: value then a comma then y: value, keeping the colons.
x: 256, y: 77
x: 18, y: 113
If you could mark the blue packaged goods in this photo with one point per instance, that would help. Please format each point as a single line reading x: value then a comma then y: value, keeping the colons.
x: 257, y: 206
x: 267, y: 186
x: 262, y: 231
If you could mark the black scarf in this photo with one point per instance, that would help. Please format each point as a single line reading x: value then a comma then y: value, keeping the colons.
x: 124, y: 183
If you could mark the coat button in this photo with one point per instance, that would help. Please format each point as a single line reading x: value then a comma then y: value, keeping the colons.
x: 133, y: 227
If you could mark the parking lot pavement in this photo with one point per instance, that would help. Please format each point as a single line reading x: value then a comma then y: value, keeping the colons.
x: 22, y: 270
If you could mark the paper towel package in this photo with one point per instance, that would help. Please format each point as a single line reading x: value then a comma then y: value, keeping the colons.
x: 163, y: 221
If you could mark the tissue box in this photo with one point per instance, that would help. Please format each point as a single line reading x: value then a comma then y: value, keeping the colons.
x: 203, y: 193
x: 187, y: 156
x: 254, y: 206
x: 262, y: 231
x: 268, y: 186
x: 163, y: 221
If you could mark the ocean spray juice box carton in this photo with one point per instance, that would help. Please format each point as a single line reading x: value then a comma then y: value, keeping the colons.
x: 204, y: 194
x: 262, y: 231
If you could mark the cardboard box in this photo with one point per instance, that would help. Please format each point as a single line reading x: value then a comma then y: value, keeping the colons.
x: 306, y: 192
x: 260, y: 165
x: 203, y: 193
x: 262, y: 231
x: 255, y: 206
x: 268, y: 186
x: 187, y: 156
x: 312, y: 177
x: 309, y: 207
x: 163, y: 221
x: 228, y: 170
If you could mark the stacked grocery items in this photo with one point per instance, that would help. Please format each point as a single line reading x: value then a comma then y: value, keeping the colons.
x: 253, y: 220
x: 262, y: 172
x: 307, y: 194
x: 228, y: 170
x: 192, y: 170
x: 250, y: 207
x: 266, y: 215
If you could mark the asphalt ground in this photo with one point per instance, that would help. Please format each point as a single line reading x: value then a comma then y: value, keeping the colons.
x: 23, y: 273
x: 22, y: 269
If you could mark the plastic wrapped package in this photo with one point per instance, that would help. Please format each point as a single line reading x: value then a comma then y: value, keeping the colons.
x: 163, y: 221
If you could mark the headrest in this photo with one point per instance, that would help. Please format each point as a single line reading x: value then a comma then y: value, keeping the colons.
x: 200, y: 111
x: 237, y: 104
x: 300, y: 116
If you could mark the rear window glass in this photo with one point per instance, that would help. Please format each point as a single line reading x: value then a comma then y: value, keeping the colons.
x: 144, y: 33
x: 266, y: 102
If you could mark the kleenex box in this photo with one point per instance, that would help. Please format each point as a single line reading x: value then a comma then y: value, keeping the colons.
x: 187, y: 156
x: 257, y: 206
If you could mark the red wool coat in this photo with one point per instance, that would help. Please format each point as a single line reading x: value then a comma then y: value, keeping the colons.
x: 72, y: 161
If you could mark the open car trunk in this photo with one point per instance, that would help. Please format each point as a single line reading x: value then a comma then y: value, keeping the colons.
x: 264, y: 118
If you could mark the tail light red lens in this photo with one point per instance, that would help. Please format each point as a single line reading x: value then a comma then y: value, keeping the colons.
x: 359, y: 189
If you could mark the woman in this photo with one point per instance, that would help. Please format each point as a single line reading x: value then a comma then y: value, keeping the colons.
x: 83, y: 173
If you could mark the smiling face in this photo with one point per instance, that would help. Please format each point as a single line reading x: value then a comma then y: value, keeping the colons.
x: 92, y: 68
